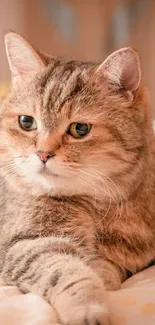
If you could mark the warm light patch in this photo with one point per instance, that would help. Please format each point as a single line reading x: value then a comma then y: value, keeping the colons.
x: 148, y: 309
x: 127, y: 300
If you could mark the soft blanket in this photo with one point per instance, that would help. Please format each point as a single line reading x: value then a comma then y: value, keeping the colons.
x: 134, y: 304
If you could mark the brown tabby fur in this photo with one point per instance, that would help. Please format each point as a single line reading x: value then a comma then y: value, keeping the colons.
x: 98, y: 223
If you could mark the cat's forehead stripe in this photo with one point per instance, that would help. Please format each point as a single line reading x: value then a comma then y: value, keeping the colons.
x: 43, y: 81
x: 60, y: 82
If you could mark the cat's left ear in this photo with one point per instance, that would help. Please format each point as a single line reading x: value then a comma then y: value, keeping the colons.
x: 23, y: 60
x: 122, y: 70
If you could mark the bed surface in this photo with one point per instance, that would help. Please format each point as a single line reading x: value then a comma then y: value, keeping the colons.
x: 134, y: 304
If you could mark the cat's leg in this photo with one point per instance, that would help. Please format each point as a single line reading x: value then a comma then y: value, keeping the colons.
x: 112, y: 275
x: 52, y: 268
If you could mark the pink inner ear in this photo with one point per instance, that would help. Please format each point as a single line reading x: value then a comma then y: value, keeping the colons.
x: 22, y: 58
x: 131, y: 74
x: 122, y: 70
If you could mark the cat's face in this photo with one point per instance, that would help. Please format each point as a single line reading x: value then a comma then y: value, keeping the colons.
x: 66, y: 129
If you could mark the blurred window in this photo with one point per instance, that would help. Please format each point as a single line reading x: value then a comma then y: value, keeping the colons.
x: 63, y: 17
x: 124, y: 18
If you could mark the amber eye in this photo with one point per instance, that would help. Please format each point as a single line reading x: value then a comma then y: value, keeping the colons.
x: 27, y: 123
x: 79, y: 130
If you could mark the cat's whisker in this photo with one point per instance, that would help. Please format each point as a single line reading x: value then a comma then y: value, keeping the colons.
x: 85, y: 182
x: 106, y: 192
x: 116, y: 200
x: 114, y: 185
x: 7, y: 168
x: 105, y: 184
x: 95, y: 176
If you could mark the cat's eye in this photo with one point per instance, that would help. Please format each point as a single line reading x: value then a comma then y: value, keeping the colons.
x: 79, y: 130
x: 27, y: 123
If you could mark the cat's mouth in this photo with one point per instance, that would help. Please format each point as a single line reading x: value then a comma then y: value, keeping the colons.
x: 45, y: 171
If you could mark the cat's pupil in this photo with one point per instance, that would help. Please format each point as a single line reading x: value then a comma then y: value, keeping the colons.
x: 82, y: 129
x: 27, y: 122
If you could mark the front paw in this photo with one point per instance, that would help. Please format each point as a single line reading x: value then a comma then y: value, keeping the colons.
x: 90, y: 314
x: 81, y: 300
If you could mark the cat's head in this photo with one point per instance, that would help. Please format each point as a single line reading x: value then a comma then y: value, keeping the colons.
x: 71, y: 127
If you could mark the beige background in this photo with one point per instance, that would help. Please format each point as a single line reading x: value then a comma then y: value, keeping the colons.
x: 93, y: 24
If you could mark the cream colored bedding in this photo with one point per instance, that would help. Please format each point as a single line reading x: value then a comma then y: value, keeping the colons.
x: 134, y: 304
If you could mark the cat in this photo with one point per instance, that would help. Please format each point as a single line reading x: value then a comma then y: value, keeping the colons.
x: 77, y: 179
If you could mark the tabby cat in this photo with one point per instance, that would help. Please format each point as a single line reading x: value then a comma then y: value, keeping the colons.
x: 77, y: 179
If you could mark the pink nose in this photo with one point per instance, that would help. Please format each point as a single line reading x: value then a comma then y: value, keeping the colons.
x: 44, y: 156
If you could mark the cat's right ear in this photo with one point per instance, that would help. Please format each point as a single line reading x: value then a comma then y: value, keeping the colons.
x: 23, y: 60
x: 122, y: 71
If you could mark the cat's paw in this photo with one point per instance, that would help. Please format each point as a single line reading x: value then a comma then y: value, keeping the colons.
x: 82, y: 301
x: 92, y: 314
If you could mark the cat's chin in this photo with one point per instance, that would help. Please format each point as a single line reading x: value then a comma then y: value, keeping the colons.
x: 59, y: 186
x: 42, y: 184
x: 47, y: 173
x: 46, y: 184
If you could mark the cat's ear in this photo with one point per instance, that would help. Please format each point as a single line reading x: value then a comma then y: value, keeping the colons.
x: 23, y: 60
x: 122, y: 70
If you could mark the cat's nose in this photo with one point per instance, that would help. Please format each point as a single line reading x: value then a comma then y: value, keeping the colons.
x: 44, y: 156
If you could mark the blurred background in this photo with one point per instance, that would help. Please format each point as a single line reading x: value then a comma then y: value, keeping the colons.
x: 82, y: 29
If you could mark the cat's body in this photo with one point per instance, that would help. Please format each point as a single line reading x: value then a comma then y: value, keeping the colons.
x: 128, y: 240
x: 89, y: 218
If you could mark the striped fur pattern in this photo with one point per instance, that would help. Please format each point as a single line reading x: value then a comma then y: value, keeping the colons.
x: 88, y: 222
